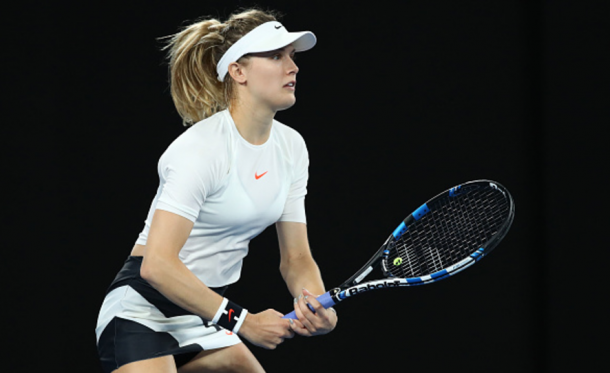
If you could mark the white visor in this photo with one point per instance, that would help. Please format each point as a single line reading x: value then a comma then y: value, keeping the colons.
x: 264, y: 38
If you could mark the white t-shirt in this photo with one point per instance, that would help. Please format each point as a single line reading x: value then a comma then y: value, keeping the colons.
x: 231, y: 190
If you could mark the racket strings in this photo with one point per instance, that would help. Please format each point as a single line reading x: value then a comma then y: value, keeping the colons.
x: 454, y: 228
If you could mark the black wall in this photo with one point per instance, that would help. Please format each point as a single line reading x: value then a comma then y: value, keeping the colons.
x: 397, y: 103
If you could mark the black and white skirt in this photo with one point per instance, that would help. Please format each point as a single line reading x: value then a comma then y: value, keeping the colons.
x: 136, y: 322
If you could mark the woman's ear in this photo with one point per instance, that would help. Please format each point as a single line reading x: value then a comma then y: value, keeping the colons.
x: 237, y: 72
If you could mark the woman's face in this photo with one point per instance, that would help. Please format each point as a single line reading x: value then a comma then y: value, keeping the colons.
x: 271, y: 78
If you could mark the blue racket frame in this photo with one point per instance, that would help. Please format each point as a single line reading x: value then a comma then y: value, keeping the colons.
x: 353, y: 285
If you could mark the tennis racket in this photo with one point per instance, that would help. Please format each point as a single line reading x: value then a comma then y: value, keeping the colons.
x: 444, y: 236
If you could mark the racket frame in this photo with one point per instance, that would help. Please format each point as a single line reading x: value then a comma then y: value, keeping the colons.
x: 353, y: 285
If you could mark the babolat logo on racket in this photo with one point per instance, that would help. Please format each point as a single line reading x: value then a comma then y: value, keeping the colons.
x: 367, y: 287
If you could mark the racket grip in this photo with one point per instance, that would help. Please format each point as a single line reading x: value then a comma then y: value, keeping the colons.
x: 325, y: 299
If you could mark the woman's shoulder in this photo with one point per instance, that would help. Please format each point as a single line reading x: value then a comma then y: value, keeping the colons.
x: 290, y: 142
x: 288, y: 134
x: 209, y: 132
x: 203, y: 140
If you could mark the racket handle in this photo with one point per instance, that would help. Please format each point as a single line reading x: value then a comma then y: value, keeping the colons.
x: 325, y: 299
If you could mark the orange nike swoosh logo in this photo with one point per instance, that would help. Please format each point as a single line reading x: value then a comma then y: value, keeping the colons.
x: 230, y: 312
x: 259, y: 176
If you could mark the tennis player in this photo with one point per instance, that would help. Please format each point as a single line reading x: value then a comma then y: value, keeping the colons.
x: 231, y: 174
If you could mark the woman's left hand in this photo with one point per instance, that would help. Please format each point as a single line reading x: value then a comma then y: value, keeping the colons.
x: 309, y: 323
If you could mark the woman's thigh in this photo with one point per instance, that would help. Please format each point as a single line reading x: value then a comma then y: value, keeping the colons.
x: 236, y: 358
x: 163, y: 364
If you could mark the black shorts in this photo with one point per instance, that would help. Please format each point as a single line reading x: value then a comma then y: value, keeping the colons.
x: 136, y: 322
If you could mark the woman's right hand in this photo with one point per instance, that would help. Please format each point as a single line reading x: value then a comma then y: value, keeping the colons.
x: 266, y: 329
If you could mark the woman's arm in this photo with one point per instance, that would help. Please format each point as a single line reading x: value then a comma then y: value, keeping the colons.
x: 304, y: 281
x: 164, y: 270
x: 297, y: 266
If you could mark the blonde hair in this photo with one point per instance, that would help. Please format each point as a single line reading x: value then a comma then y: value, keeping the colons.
x: 193, y: 54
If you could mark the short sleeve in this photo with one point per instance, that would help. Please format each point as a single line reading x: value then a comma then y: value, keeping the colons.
x: 294, y: 209
x: 188, y: 174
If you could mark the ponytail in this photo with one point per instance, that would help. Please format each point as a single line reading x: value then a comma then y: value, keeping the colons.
x: 193, y: 54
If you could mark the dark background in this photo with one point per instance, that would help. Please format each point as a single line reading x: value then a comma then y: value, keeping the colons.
x: 397, y: 102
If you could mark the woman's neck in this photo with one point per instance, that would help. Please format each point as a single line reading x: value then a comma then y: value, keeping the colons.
x: 254, y: 125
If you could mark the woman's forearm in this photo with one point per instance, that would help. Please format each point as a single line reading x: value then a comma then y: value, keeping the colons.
x: 178, y: 284
x: 299, y: 273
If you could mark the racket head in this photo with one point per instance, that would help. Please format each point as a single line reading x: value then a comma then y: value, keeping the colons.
x: 448, y: 233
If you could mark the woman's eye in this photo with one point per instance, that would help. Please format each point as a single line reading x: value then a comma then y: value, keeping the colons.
x: 276, y: 56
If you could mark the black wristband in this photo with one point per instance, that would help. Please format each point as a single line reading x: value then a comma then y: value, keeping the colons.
x: 230, y: 315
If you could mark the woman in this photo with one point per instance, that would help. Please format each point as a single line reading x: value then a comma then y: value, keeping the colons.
x: 234, y: 172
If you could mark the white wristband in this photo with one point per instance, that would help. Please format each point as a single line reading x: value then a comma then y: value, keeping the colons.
x: 220, y: 310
